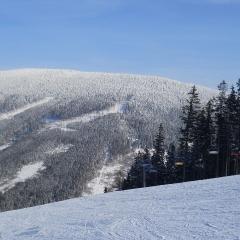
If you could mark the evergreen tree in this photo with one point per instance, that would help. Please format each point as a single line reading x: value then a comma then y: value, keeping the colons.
x: 138, y: 175
x: 158, y: 158
x: 232, y: 127
x: 222, y: 121
x: 232, y: 106
x: 237, y: 159
x: 198, y: 147
x: 238, y: 114
x: 135, y: 172
x: 208, y: 139
x: 170, y: 164
x: 146, y: 156
x: 204, y: 135
x: 189, y: 118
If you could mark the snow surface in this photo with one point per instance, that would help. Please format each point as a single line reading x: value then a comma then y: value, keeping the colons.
x: 26, y: 172
x: 202, y: 210
x: 12, y: 114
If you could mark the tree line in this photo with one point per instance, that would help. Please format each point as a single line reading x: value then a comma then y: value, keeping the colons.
x: 208, y: 144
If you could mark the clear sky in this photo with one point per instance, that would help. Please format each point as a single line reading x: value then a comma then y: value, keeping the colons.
x: 188, y: 40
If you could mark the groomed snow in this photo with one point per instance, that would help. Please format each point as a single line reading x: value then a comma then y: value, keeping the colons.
x: 12, y: 114
x: 202, y: 210
x: 26, y: 172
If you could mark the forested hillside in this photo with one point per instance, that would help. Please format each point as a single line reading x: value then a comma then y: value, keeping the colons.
x: 208, y: 143
x: 59, y: 128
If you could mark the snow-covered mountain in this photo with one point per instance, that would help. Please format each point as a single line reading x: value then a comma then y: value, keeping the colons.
x: 198, y: 210
x: 65, y: 133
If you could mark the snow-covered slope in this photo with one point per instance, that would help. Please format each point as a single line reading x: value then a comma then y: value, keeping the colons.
x: 201, y: 210
x: 67, y: 119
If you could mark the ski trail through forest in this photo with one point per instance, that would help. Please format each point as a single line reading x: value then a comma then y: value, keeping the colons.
x: 12, y: 114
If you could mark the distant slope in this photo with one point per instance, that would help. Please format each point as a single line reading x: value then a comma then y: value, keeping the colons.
x: 78, y: 125
x: 195, y: 210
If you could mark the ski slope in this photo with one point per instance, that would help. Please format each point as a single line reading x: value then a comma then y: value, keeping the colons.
x: 12, y: 114
x: 196, y: 210
x: 63, y: 124
x: 105, y: 178
x: 5, y: 146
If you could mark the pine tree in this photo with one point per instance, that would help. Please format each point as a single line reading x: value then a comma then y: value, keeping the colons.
x: 189, y: 118
x: 209, y: 139
x: 232, y: 106
x: 204, y: 135
x: 232, y: 127
x: 237, y: 161
x: 135, y: 172
x: 144, y: 167
x: 146, y: 156
x: 222, y: 121
x: 238, y: 114
x: 158, y: 158
x: 170, y: 164
x: 197, y: 147
x: 138, y: 174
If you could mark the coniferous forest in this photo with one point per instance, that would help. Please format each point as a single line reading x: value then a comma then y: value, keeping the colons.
x: 208, y: 144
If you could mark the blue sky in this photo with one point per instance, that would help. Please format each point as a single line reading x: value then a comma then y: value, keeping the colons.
x: 189, y: 40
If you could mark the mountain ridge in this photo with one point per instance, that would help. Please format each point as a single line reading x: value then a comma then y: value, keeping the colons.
x: 76, y: 71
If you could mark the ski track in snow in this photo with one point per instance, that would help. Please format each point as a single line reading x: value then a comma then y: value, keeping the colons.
x: 28, y: 171
x: 63, y: 124
x: 12, y: 114
x: 200, y: 210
